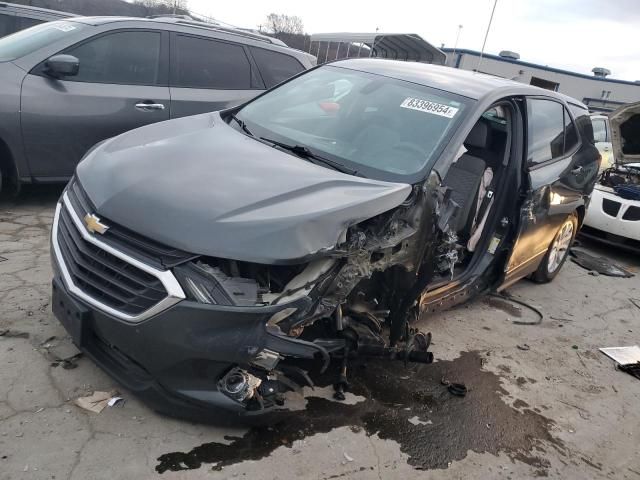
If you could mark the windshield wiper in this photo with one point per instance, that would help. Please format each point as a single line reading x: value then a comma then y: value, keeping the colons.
x: 243, y: 125
x: 304, y: 152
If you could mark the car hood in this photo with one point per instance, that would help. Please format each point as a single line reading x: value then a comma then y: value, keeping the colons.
x: 625, y: 128
x: 199, y: 185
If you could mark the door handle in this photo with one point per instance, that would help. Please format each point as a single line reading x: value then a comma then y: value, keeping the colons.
x: 149, y: 107
x: 577, y: 170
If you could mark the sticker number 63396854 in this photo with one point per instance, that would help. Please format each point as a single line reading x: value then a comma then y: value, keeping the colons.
x: 429, y: 107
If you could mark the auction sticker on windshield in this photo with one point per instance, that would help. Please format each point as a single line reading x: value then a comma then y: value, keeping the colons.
x: 429, y: 107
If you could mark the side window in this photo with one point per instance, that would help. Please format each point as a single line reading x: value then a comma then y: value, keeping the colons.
x: 570, y: 133
x: 599, y: 130
x: 275, y: 67
x: 7, y: 23
x: 583, y: 122
x: 545, y: 119
x: 128, y: 57
x: 203, y: 63
x: 24, y: 22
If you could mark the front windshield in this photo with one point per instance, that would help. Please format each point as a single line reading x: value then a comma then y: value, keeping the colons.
x: 27, y: 41
x: 378, y: 126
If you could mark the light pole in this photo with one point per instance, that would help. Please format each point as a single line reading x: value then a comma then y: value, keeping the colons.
x: 495, y: 2
x: 455, y: 46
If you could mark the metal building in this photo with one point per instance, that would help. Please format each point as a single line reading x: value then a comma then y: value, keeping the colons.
x: 599, y: 92
x: 396, y: 46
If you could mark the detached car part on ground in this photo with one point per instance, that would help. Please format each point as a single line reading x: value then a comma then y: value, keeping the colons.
x: 198, y: 260
x: 614, y: 213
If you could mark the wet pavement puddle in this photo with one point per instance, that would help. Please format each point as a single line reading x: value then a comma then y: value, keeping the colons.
x: 410, y: 406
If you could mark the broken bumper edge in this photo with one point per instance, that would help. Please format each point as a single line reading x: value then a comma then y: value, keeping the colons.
x: 174, y: 361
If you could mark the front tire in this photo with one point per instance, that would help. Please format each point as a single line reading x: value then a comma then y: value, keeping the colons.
x: 558, y: 251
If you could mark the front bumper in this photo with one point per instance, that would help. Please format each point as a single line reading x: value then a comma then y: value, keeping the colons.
x: 174, y: 360
x: 613, y: 219
x: 177, y: 355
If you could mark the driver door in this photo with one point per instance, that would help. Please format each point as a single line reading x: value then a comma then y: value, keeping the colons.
x: 122, y: 84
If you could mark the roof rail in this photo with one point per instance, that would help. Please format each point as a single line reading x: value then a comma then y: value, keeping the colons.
x: 169, y: 15
x: 189, y: 21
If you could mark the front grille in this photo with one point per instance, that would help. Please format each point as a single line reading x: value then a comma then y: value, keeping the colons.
x: 632, y: 214
x: 123, y: 239
x: 108, y: 279
x: 610, y: 207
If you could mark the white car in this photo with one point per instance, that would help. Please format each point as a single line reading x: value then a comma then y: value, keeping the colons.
x: 613, y: 215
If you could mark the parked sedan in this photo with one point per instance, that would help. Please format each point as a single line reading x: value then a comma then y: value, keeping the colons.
x: 195, y: 260
x: 67, y: 85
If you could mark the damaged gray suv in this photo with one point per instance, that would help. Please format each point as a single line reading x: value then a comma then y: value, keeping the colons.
x: 203, y: 261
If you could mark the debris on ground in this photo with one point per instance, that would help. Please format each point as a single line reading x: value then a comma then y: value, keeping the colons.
x: 13, y: 334
x: 61, y: 352
x: 508, y: 298
x: 623, y: 355
x: 632, y: 369
x: 416, y: 421
x: 116, y: 402
x: 524, y: 347
x: 626, y: 358
x: 602, y: 265
x: 457, y: 389
x: 96, y: 402
x: 347, y: 457
x: 635, y: 301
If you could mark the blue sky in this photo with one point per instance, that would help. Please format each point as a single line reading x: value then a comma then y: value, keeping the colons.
x: 572, y: 34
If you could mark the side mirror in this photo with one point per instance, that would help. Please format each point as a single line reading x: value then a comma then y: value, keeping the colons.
x: 60, y: 66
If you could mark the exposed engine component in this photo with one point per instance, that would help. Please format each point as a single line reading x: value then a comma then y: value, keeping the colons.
x: 623, y: 179
x: 340, y: 304
x: 620, y: 175
x: 239, y: 385
x: 266, y: 359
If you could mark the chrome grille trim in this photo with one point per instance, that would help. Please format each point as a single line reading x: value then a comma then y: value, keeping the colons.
x: 174, y: 291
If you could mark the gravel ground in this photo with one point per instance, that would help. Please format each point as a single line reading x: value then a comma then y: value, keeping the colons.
x: 542, y: 400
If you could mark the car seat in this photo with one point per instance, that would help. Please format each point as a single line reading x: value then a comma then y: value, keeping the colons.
x: 465, y: 177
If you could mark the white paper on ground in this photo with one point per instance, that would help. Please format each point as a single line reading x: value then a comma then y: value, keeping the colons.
x: 114, y: 400
x: 623, y: 355
x: 96, y: 402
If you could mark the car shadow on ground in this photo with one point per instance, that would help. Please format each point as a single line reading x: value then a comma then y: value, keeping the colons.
x: 32, y: 196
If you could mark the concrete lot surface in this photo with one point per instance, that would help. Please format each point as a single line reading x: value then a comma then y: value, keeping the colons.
x: 542, y: 401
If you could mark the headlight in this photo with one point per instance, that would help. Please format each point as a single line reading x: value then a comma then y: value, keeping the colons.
x: 244, y: 284
x: 206, y: 284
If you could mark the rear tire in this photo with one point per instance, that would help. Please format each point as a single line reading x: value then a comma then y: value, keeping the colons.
x: 558, y: 251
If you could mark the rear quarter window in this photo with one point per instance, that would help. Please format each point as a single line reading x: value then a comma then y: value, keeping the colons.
x: 275, y: 67
x: 583, y: 123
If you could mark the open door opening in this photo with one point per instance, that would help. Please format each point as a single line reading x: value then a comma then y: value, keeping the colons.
x: 484, y: 182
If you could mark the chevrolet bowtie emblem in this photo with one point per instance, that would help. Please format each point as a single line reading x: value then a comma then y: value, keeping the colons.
x: 94, y: 225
